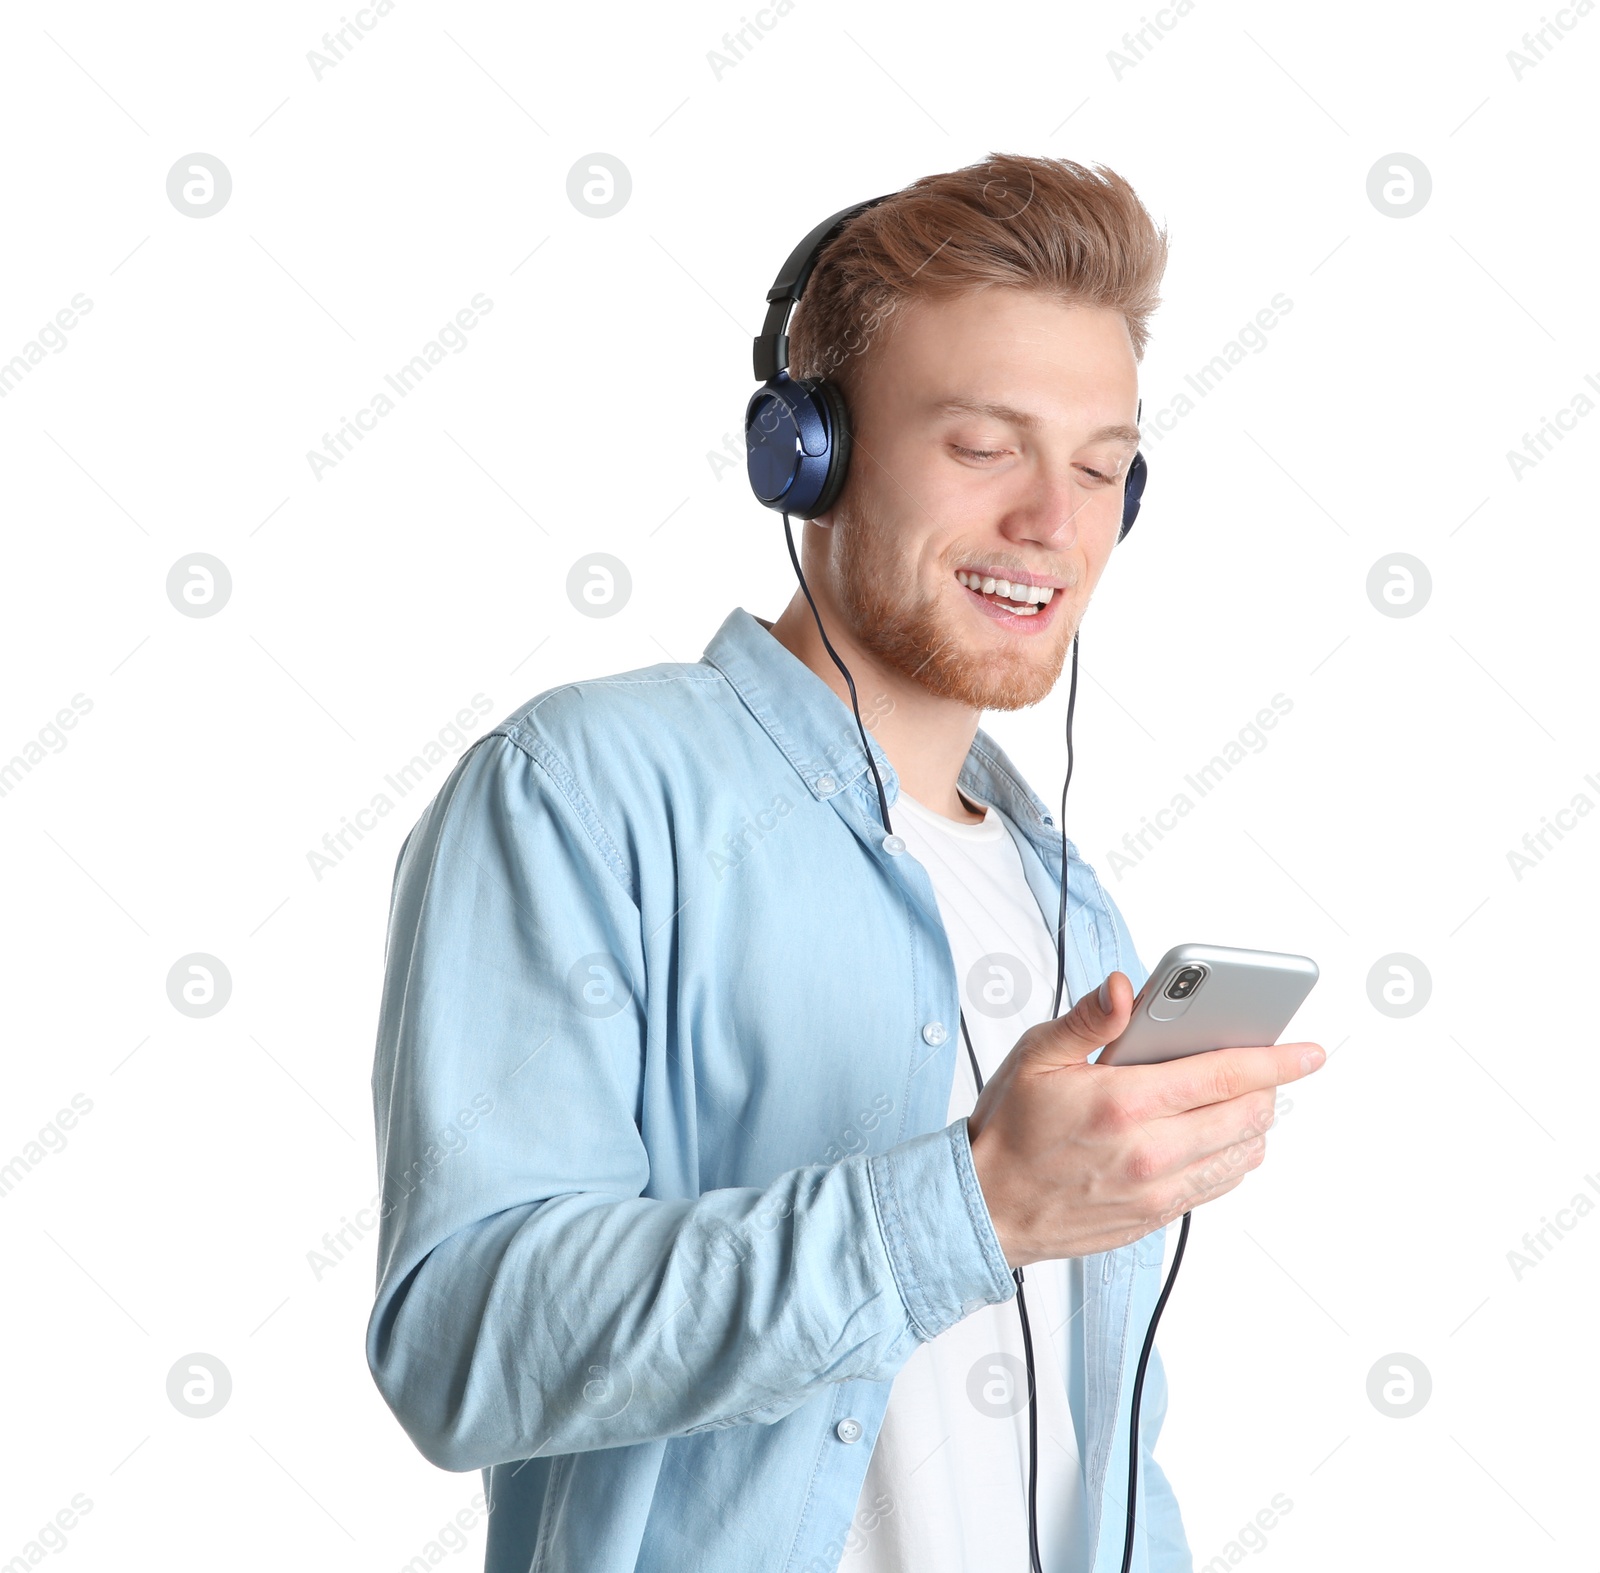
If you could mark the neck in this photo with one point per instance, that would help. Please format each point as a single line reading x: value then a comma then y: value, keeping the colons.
x: 926, y: 738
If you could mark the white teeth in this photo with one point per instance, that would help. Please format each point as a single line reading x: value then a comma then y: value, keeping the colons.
x: 1030, y: 596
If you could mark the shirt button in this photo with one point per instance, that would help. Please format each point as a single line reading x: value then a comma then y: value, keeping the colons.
x: 934, y: 1033
x: 826, y: 784
x: 848, y: 1430
x: 893, y: 845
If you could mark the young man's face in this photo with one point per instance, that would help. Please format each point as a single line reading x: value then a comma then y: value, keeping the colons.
x: 993, y: 432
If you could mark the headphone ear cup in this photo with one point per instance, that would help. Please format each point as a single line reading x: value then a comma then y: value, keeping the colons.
x: 797, y: 444
x: 1133, y: 492
x: 831, y: 399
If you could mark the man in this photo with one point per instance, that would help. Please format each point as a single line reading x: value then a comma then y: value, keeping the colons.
x: 697, y: 1236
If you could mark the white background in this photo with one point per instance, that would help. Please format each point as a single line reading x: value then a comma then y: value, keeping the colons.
x: 370, y: 605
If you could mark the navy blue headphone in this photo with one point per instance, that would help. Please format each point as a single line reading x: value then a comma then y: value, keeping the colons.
x: 797, y: 429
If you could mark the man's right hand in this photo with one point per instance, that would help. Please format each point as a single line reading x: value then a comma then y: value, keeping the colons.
x: 1075, y: 1158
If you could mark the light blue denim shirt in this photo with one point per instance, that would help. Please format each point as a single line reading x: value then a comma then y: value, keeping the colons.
x: 664, y: 1054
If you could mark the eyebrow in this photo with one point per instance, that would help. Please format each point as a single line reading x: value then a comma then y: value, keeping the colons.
x: 1028, y: 422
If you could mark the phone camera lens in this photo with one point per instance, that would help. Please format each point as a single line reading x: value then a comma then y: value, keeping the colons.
x: 1184, y: 982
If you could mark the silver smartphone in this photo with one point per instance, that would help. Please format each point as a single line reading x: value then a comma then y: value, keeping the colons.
x: 1201, y: 997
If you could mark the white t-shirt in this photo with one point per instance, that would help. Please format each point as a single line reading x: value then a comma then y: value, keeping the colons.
x: 952, y: 1455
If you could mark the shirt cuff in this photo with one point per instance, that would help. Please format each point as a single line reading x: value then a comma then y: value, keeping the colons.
x: 936, y: 1228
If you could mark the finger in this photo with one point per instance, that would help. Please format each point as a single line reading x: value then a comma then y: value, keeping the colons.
x: 1207, y: 1181
x: 1096, y: 1018
x: 1213, y: 1076
x: 1217, y: 1133
x: 1203, y: 1183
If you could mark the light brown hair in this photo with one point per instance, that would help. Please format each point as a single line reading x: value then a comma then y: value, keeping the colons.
x: 1076, y: 232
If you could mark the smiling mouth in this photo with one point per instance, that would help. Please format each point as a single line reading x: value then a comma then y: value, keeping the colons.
x: 1022, y: 600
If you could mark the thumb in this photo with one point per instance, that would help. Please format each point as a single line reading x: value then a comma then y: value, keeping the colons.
x: 1097, y: 1018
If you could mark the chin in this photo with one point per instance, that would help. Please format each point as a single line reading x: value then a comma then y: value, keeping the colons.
x: 996, y: 684
x: 945, y: 637
x: 993, y: 673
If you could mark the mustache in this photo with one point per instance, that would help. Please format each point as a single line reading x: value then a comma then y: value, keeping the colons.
x: 1012, y: 562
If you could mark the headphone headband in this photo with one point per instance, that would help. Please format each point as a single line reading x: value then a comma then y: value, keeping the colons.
x: 772, y: 343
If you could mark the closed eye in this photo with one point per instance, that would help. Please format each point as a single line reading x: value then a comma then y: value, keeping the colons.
x: 982, y: 455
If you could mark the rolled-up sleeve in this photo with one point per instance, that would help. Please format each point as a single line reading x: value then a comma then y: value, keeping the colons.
x: 531, y: 1297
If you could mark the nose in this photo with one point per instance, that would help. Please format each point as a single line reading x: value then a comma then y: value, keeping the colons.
x: 1046, y: 512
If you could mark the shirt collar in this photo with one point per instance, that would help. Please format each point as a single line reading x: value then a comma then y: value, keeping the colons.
x: 816, y: 732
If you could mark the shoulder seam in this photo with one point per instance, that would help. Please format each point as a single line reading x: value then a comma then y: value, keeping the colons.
x: 687, y: 672
x: 542, y: 754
